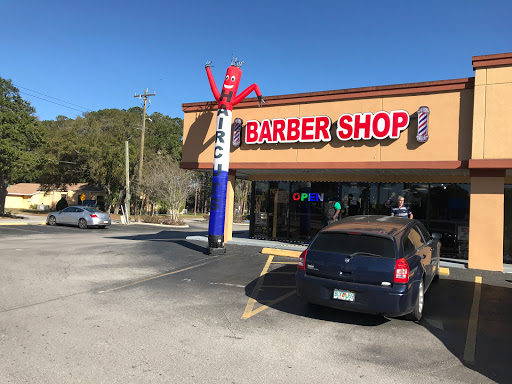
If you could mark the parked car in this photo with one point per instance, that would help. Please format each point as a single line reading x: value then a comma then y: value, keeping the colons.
x: 81, y: 216
x: 371, y: 264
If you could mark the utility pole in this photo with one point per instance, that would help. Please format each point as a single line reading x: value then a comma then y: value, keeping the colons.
x: 127, y: 198
x: 141, y: 156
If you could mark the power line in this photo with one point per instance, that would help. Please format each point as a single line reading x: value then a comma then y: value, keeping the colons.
x: 50, y: 101
x: 51, y: 97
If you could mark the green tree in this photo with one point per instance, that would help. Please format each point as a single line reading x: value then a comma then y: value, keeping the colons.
x: 20, y: 135
x: 91, y: 148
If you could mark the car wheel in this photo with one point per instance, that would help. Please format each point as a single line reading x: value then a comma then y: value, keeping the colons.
x: 82, y: 224
x: 418, y: 307
x: 52, y: 220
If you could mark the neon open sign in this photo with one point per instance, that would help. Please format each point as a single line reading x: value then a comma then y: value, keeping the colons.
x: 365, y: 126
x: 308, y: 196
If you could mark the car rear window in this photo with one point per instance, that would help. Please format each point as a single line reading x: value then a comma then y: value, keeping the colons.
x: 92, y: 210
x: 348, y: 243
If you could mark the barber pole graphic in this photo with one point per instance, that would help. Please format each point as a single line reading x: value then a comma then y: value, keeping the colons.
x: 236, y: 132
x: 226, y: 100
x: 423, y: 113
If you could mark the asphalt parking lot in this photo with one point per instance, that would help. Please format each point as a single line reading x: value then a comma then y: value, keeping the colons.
x: 141, y: 304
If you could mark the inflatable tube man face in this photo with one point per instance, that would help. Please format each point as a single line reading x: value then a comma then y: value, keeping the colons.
x: 230, y: 87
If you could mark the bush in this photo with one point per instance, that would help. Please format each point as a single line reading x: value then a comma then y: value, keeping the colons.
x: 240, y: 219
x: 162, y: 220
x: 61, y: 204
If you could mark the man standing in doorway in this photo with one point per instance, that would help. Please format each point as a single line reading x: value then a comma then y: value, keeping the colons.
x: 401, y: 210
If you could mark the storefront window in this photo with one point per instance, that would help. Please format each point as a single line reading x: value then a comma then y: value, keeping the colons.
x: 306, y: 209
x: 416, y: 198
x: 387, y: 197
x: 295, y: 211
x: 279, y: 210
x: 507, y: 231
x: 260, y: 206
x: 449, y: 215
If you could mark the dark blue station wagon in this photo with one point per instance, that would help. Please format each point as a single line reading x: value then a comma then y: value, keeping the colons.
x: 371, y: 264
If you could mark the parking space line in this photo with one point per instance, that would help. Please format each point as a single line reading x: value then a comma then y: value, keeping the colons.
x: 249, y: 308
x: 469, y: 350
x: 155, y: 277
x: 285, y: 262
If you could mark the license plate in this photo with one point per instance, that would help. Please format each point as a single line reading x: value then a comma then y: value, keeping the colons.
x: 344, y: 295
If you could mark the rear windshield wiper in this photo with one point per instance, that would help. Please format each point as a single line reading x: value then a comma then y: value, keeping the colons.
x: 364, y: 254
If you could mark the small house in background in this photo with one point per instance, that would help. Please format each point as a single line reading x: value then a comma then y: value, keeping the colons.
x: 33, y: 196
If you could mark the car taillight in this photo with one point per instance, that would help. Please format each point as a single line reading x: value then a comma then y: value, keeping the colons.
x: 401, y: 271
x: 301, y: 266
x: 93, y: 215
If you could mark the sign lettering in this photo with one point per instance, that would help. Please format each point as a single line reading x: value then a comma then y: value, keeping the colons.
x: 313, y: 129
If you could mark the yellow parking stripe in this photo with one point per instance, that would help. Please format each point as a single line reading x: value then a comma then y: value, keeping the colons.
x: 469, y: 350
x: 280, y: 252
x: 249, y: 308
x: 250, y: 304
x: 285, y: 262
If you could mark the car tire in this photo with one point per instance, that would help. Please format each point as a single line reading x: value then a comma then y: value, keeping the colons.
x: 417, y: 312
x: 82, y: 224
x: 52, y: 221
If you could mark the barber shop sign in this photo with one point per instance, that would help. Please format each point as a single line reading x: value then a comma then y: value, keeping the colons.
x: 359, y: 126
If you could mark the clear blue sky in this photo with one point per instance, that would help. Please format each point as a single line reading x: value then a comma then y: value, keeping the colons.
x: 97, y: 54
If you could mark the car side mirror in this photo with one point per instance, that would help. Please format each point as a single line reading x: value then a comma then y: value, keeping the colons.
x: 436, y: 236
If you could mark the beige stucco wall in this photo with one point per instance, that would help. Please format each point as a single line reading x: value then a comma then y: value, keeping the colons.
x: 49, y: 198
x: 486, y: 214
x: 492, y: 111
x: 449, y: 132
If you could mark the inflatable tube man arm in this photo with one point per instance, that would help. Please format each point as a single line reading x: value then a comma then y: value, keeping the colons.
x: 244, y: 94
x: 211, y: 80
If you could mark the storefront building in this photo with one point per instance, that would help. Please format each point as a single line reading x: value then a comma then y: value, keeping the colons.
x: 443, y: 145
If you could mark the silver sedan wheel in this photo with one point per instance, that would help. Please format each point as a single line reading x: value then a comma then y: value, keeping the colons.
x: 82, y: 224
x: 52, y: 220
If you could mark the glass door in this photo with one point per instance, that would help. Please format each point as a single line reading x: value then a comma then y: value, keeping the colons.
x: 279, y: 198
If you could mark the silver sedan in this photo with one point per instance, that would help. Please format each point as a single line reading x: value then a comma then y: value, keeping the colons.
x: 81, y: 216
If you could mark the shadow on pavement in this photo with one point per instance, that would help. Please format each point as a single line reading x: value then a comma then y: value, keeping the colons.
x: 281, y: 281
x: 170, y: 237
x: 447, y: 314
x: 448, y: 304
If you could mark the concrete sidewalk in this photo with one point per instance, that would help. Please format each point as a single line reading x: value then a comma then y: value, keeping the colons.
x: 24, y: 220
